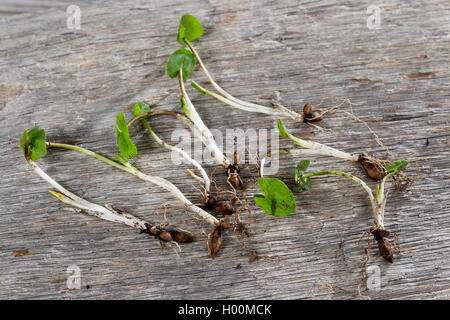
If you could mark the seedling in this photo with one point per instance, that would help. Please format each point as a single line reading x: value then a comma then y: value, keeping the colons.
x: 34, y: 147
x: 142, y: 111
x: 36, y: 141
x: 373, y: 167
x: 378, y: 202
x: 189, y: 30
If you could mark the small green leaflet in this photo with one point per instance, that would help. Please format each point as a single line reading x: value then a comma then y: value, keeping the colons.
x: 277, y: 200
x: 283, y: 131
x: 190, y: 29
x: 301, y: 184
x: 300, y: 170
x: 35, y: 139
x: 126, y: 146
x: 140, y: 108
x: 396, y: 166
x: 180, y: 59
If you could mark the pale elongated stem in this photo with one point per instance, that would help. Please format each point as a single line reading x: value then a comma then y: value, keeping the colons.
x: 234, y: 104
x: 253, y: 107
x: 321, y: 148
x: 205, y: 178
x: 373, y: 201
x: 93, y: 209
x: 348, y: 176
x: 163, y: 183
x: 302, y: 152
x: 208, y: 138
x: 381, y: 201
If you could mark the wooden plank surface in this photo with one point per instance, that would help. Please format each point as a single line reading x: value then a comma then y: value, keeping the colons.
x: 74, y: 82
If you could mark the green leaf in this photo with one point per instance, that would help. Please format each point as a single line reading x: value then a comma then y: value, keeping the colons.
x: 140, y: 108
x: 180, y: 59
x: 278, y: 199
x: 283, y: 131
x: 190, y: 29
x: 396, y: 166
x: 300, y: 170
x: 303, y: 185
x: 37, y: 147
x: 126, y: 146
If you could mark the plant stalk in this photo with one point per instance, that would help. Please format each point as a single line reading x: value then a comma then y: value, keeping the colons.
x: 248, y: 106
x: 205, y: 178
x: 208, y: 138
x: 152, y: 179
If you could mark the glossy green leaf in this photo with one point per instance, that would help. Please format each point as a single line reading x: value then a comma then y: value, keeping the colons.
x: 126, y: 146
x: 190, y: 29
x: 180, y: 59
x: 300, y: 170
x: 140, y: 108
x: 278, y: 199
x: 396, y: 166
x: 35, y: 139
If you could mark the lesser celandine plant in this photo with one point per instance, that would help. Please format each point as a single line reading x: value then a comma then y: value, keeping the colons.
x: 189, y: 30
x: 373, y: 167
x: 303, y: 183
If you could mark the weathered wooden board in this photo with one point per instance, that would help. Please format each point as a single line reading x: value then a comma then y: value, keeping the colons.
x: 74, y: 82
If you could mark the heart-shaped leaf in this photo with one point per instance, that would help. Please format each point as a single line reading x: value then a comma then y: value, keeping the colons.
x: 180, y: 59
x: 36, y: 144
x: 278, y: 199
x: 126, y: 146
x: 190, y: 29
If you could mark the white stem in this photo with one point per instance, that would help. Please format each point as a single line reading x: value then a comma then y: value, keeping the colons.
x: 321, y: 148
x: 177, y: 193
x: 260, y: 109
x: 205, y: 178
x: 381, y: 202
x: 206, y: 181
x: 208, y: 138
x: 297, y: 152
x: 250, y: 106
x: 163, y: 183
x: 93, y: 209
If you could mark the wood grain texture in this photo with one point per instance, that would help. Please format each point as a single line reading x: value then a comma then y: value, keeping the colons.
x: 73, y: 83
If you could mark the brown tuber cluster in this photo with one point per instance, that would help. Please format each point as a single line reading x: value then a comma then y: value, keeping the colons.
x: 310, y: 115
x: 384, y: 246
x: 168, y: 235
x: 222, y: 207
